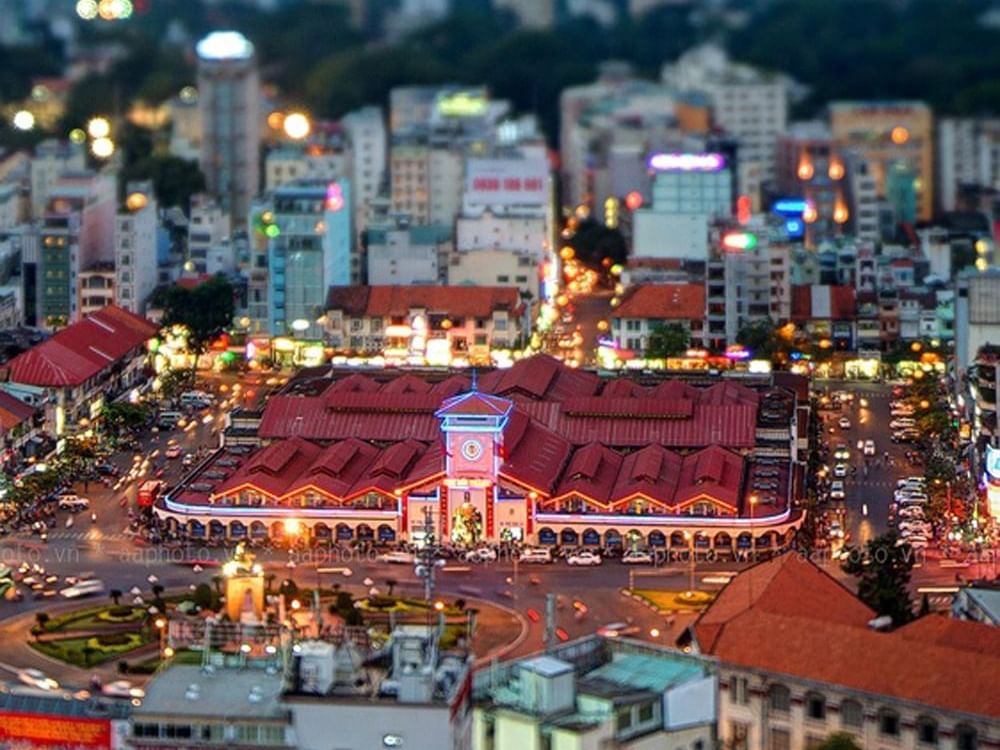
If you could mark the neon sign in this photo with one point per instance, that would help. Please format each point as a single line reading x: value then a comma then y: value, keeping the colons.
x: 687, y: 162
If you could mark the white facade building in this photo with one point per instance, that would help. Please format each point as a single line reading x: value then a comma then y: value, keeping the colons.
x: 403, y: 254
x: 135, y: 248
x: 968, y: 155
x: 367, y: 137
x: 208, y: 228
x: 52, y: 159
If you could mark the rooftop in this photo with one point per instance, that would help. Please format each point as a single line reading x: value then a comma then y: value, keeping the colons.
x: 663, y: 301
x: 25, y: 700
x: 788, y: 617
x: 454, y: 301
x: 191, y: 691
x: 82, y: 350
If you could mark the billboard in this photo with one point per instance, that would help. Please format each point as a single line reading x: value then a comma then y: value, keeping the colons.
x: 507, y: 182
x: 49, y: 731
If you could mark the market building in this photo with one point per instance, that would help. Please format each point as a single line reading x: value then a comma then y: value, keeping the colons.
x: 539, y: 452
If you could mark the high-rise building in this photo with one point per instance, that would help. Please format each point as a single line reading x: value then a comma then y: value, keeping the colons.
x: 968, y: 157
x: 367, y: 137
x: 208, y: 229
x: 135, y: 247
x: 896, y: 139
x: 747, y: 103
x: 689, y: 192
x: 78, y: 233
x: 310, y: 250
x: 229, y: 100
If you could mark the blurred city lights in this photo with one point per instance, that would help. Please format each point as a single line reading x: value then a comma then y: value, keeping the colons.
x: 77, y: 135
x: 23, y: 120
x: 87, y: 9
x: 99, y: 127
x: 297, y: 126
x: 102, y: 148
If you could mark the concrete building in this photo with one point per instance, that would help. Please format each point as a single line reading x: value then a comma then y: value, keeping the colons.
x: 968, y: 157
x: 185, y: 125
x: 426, y: 181
x: 10, y: 205
x: 310, y: 250
x: 649, y: 306
x: 77, y: 232
x: 896, y: 139
x: 136, y: 248
x: 329, y: 160
x: 52, y: 159
x: 746, y: 286
x: 428, y: 322
x: 208, y: 228
x: 749, y: 104
x: 97, y: 288
x: 597, y: 692
x: 799, y: 660
x: 496, y: 267
x: 229, y: 101
x: 608, y: 129
x: 366, y: 134
x: 690, y: 191
x: 521, y: 234
x: 977, y: 314
x: 981, y: 604
x: 71, y: 375
x: 402, y: 254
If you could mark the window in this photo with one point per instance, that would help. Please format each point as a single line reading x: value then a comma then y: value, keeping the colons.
x: 781, y: 739
x: 851, y: 714
x: 503, y: 279
x: 623, y: 720
x: 816, y: 707
x: 966, y: 738
x: 739, y: 691
x: 645, y: 713
x: 780, y: 698
x: 888, y: 723
x: 927, y: 731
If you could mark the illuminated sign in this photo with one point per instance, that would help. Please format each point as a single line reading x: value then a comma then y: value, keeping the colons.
x: 468, y: 483
x: 225, y: 45
x: 993, y: 462
x: 462, y: 104
x: 737, y: 352
x: 739, y: 241
x: 45, y: 730
x: 492, y: 182
x: 687, y: 162
x: 789, y: 206
x: 334, y: 197
x: 794, y: 227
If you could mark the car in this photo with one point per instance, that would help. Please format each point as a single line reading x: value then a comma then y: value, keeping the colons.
x: 584, y: 557
x: 122, y: 689
x: 843, y: 453
x: 869, y: 448
x: 73, y: 502
x: 836, y: 530
x: 911, y: 511
x: 535, y: 555
x: 617, y: 629
x: 840, y: 470
x: 837, y: 490
x: 481, y: 554
x: 901, y: 422
x: 911, y: 482
x: 902, y: 412
x: 173, y: 451
x: 907, y: 494
x: 914, y: 542
x: 637, y: 557
x: 914, y: 528
x: 36, y: 678
x: 396, y: 557
x: 844, y: 423
x: 188, y: 459
x: 83, y: 588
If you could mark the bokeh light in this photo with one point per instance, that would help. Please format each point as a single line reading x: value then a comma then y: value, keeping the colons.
x: 23, y: 120
x: 99, y: 127
x: 297, y: 126
x: 102, y: 148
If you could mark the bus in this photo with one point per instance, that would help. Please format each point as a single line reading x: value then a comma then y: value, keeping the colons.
x: 149, y: 491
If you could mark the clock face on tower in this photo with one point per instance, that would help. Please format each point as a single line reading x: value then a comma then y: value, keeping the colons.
x: 472, y: 449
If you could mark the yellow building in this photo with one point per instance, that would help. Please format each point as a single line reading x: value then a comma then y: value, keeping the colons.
x: 891, y: 135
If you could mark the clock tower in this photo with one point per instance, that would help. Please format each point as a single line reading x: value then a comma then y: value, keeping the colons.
x: 472, y: 425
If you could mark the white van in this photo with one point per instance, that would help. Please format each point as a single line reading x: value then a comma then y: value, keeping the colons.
x: 169, y: 419
x: 536, y: 555
x: 83, y: 588
x: 196, y: 398
x: 73, y: 502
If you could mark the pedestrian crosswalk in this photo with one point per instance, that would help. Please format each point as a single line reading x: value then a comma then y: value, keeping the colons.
x: 68, y: 535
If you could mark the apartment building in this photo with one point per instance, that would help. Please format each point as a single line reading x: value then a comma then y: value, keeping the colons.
x: 646, y: 307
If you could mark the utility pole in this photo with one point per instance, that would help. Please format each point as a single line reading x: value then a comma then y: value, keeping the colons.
x: 550, y: 621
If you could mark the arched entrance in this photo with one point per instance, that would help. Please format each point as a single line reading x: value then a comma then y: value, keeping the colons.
x: 657, y: 539
x: 258, y: 530
x: 344, y: 532
x: 322, y: 533
x: 365, y: 533
x: 546, y: 536
x: 613, y: 538
x: 386, y: 534
x: 591, y: 537
x: 237, y: 530
x: 569, y: 536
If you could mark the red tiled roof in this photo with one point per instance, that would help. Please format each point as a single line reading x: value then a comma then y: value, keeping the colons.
x: 663, y: 302
x: 591, y: 471
x: 540, y: 377
x: 474, y: 403
x: 840, y: 302
x: 13, y: 411
x: 713, y: 473
x: 454, y: 301
x: 79, y: 352
x: 788, y: 617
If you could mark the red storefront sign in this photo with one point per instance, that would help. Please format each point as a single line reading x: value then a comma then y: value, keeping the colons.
x: 38, y: 730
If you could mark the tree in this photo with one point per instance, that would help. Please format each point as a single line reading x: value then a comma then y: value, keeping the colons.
x: 669, y: 340
x: 174, y: 382
x: 839, y: 741
x: 42, y: 619
x: 759, y: 338
x: 174, y: 179
x: 115, y: 595
x: 883, y: 571
x: 122, y: 415
x: 205, y: 311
